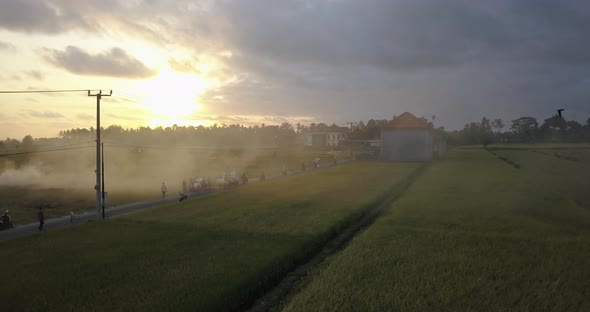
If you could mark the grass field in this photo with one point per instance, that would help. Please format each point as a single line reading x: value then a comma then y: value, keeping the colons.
x: 213, y: 253
x: 472, y: 234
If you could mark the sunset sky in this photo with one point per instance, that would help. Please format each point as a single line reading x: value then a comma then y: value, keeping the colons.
x: 270, y: 61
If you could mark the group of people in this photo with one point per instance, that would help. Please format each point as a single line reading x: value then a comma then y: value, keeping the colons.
x: 199, y: 183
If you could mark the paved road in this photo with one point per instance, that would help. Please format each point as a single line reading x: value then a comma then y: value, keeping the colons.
x: 67, y: 221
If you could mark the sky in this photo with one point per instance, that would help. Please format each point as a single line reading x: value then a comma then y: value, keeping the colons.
x: 268, y: 61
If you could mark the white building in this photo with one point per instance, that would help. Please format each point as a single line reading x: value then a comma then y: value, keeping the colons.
x: 322, y: 135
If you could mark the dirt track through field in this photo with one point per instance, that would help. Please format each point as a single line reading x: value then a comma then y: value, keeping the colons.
x: 275, y: 296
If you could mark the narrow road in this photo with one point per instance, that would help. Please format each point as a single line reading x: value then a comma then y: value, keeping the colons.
x: 67, y: 221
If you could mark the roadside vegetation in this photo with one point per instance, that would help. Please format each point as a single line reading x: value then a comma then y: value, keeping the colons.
x: 472, y: 234
x: 218, y: 252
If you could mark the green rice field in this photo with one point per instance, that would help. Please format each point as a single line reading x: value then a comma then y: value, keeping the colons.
x: 472, y: 234
x: 218, y: 252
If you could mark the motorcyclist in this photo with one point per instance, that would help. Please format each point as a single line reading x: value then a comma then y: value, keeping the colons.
x: 5, y: 219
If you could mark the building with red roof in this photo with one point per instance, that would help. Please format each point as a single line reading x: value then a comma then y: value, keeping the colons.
x: 406, y: 138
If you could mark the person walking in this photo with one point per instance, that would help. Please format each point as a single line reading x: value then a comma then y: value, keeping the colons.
x: 164, y: 189
x: 184, y: 189
x: 41, y: 218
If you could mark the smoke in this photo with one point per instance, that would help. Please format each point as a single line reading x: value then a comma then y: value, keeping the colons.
x: 25, y: 176
x: 32, y: 176
x: 140, y: 170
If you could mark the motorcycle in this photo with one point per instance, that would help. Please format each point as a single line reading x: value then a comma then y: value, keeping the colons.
x: 5, y: 222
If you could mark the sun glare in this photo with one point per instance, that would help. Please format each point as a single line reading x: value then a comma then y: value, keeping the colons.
x: 172, y: 95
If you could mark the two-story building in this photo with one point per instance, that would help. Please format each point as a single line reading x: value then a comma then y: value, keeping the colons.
x: 322, y: 135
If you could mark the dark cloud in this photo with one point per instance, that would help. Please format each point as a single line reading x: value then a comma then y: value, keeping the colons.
x: 457, y: 59
x: 39, y: 16
x: 45, y: 114
x: 114, y: 63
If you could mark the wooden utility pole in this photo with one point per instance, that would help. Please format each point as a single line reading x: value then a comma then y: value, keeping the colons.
x: 98, y: 185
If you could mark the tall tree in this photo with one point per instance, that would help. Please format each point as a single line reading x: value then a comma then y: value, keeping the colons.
x: 498, y: 124
x: 525, y: 128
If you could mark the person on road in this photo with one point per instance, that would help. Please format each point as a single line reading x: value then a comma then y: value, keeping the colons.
x: 164, y: 189
x: 41, y: 218
x: 184, y: 189
x: 6, y: 218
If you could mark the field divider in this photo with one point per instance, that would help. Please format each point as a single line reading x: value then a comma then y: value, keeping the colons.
x: 336, y: 239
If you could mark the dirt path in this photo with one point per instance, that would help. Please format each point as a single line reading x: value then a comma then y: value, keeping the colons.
x: 277, y: 295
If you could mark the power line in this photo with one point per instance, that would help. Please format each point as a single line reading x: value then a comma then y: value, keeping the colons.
x: 45, y: 151
x: 188, y: 147
x: 44, y: 91
x: 127, y: 99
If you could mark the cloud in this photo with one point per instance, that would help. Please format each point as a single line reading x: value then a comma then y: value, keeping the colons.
x: 6, y: 46
x: 345, y: 59
x: 35, y: 74
x: 85, y: 116
x: 252, y: 120
x: 37, y: 16
x: 182, y: 66
x: 45, y: 114
x: 114, y: 63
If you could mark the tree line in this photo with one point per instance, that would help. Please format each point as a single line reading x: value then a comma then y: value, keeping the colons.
x: 486, y: 131
x: 554, y: 129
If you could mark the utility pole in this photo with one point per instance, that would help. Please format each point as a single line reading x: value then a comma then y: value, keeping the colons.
x: 98, y: 187
x: 102, y: 157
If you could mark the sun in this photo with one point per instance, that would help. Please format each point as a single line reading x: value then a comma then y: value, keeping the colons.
x: 172, y: 95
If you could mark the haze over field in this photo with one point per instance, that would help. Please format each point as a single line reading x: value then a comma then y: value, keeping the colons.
x: 204, y: 62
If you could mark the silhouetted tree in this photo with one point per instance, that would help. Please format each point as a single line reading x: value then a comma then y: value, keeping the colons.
x: 498, y: 124
x: 525, y: 128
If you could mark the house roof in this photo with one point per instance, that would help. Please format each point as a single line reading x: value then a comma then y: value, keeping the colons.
x: 335, y: 128
x: 322, y: 127
x: 407, y: 121
x: 357, y: 133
